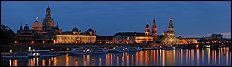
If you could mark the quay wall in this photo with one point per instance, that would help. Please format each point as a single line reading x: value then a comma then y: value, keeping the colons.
x: 57, y: 47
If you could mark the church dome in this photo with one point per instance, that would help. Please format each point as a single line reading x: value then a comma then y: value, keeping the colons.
x: 36, y: 25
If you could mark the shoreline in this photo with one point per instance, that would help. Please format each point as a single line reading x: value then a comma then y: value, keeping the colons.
x: 65, y: 47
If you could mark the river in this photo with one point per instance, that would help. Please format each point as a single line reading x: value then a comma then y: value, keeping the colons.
x: 182, y: 57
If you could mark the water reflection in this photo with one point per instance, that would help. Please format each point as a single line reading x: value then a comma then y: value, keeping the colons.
x: 199, y: 57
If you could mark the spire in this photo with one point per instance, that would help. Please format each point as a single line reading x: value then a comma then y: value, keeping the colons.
x: 147, y: 26
x: 153, y: 23
x: 48, y: 13
x: 154, y: 33
x: 48, y: 8
x: 57, y: 25
x: 170, y: 23
x: 21, y: 27
x: 36, y: 18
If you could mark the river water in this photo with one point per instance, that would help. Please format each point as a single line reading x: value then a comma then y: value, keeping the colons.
x: 182, y: 57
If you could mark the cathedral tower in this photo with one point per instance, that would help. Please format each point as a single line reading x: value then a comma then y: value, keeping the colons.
x: 154, y: 33
x: 147, y: 30
x: 48, y: 22
x: 170, y: 27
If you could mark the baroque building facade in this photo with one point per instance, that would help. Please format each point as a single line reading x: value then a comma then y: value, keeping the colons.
x: 169, y: 36
x: 49, y: 33
x: 76, y: 36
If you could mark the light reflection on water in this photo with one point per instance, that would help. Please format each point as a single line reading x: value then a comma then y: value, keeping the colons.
x: 198, y: 57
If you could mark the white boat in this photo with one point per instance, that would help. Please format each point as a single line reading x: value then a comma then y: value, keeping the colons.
x: 96, y: 51
x: 15, y: 55
x: 206, y: 46
x: 116, y: 49
x: 40, y: 53
x: 77, y: 51
x: 81, y: 51
x: 131, y: 49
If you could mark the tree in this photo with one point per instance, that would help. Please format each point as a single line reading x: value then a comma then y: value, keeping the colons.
x: 7, y: 35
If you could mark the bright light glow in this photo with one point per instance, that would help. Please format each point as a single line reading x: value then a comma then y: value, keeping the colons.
x: 10, y: 51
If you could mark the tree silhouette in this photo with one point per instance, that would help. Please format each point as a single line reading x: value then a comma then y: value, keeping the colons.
x: 7, y: 35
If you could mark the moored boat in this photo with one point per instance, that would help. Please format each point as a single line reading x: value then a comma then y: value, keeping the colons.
x: 81, y: 51
x: 116, y: 49
x: 206, y: 46
x: 131, y: 49
x: 41, y: 53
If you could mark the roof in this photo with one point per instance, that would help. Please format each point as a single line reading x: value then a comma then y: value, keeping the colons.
x: 129, y: 34
x: 104, y: 37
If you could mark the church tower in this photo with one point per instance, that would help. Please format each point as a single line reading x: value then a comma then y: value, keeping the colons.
x: 154, y: 33
x: 147, y: 30
x: 169, y: 36
x: 48, y: 22
x: 170, y: 27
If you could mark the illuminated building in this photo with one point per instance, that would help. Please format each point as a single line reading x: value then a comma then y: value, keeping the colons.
x: 147, y: 30
x: 76, y: 36
x: 185, y: 41
x: 169, y: 36
x: 39, y: 33
x: 131, y: 37
x: 104, y: 39
x: 24, y: 35
x: 148, y: 35
x: 36, y: 25
x: 48, y: 25
x: 216, y: 36
x: 154, y: 32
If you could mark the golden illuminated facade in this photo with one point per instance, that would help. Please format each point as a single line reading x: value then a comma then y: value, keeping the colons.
x: 169, y: 36
x: 184, y: 41
x: 141, y: 39
x: 69, y: 38
x: 76, y: 36
x: 131, y: 37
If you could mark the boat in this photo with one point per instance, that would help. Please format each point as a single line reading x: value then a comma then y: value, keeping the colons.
x: 40, y: 53
x: 116, y: 49
x: 15, y: 55
x: 81, y: 51
x: 131, y: 49
x: 96, y: 51
x: 206, y: 46
x: 77, y: 51
x: 168, y: 47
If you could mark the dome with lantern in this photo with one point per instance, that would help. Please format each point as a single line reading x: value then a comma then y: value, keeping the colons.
x: 36, y: 25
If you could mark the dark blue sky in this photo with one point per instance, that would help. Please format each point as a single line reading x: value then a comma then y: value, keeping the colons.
x: 190, y: 18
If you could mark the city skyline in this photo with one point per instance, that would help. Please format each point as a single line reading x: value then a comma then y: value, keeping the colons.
x: 104, y: 18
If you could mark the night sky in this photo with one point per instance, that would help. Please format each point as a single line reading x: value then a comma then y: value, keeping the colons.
x: 190, y: 18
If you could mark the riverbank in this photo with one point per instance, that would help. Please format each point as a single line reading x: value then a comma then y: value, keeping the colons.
x: 60, y: 47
